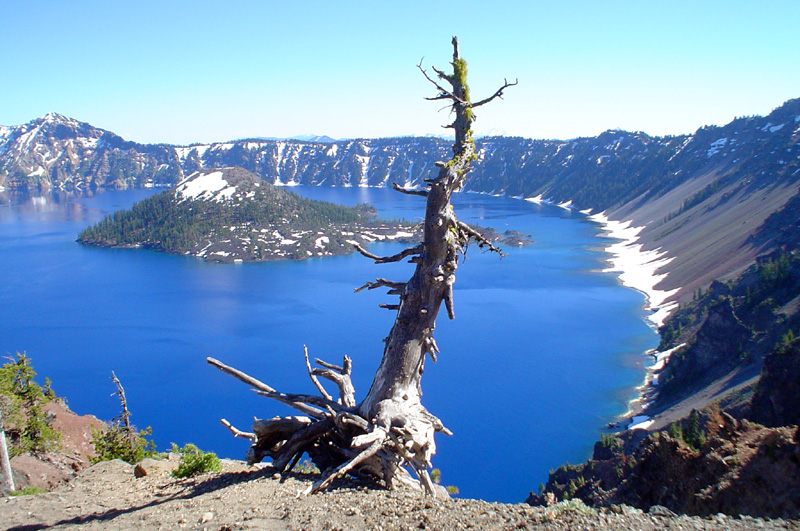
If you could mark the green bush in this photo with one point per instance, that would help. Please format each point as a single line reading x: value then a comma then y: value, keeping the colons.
x: 30, y: 490
x: 118, y: 442
x: 195, y: 461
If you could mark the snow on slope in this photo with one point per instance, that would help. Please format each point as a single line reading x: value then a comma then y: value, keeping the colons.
x: 205, y: 186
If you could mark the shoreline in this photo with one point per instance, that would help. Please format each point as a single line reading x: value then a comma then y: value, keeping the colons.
x: 635, y: 417
x: 637, y: 269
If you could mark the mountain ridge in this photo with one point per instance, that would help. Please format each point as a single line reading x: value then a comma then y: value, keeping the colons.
x: 599, y: 172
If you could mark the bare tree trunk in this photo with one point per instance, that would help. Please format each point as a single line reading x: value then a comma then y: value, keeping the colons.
x: 5, y: 464
x: 390, y: 428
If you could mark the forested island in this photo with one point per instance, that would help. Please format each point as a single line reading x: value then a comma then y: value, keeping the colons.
x: 232, y: 215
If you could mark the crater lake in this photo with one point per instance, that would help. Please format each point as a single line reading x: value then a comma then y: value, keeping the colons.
x: 545, y: 349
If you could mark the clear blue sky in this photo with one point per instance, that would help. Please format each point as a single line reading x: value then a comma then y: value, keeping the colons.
x: 182, y: 72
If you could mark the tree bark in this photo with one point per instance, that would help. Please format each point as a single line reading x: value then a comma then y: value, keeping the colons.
x: 390, y: 429
x: 5, y: 464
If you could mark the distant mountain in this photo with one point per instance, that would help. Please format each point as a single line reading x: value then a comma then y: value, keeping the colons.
x: 600, y: 172
x: 230, y: 215
x: 56, y: 151
x: 324, y: 139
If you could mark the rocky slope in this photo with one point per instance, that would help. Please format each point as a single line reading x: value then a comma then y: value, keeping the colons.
x: 741, y: 468
x: 75, y: 451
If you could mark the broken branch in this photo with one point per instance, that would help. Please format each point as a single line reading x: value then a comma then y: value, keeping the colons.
x: 348, y: 466
x: 342, y: 380
x: 398, y: 188
x: 313, y: 377
x: 417, y: 249
x: 382, y: 282
x: 237, y: 432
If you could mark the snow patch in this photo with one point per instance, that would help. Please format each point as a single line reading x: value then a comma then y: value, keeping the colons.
x: 716, y: 146
x: 640, y: 422
x: 208, y: 186
x: 637, y: 268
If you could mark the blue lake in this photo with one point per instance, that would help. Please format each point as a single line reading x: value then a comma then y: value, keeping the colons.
x: 544, y: 351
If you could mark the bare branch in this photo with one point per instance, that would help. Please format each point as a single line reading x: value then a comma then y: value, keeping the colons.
x: 417, y: 249
x: 292, y: 399
x: 239, y: 375
x: 342, y: 380
x: 352, y: 419
x: 303, y: 408
x: 264, y: 389
x: 382, y: 283
x: 389, y: 306
x: 327, y: 365
x: 313, y: 377
x: 238, y: 433
x: 475, y: 235
x: 398, y: 188
x: 442, y: 75
x: 424, y: 478
x: 498, y: 94
x: 444, y: 93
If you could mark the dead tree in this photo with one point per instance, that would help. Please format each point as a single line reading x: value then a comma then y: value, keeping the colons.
x: 390, y: 430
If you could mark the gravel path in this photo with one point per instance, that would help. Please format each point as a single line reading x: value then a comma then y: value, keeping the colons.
x: 107, y: 496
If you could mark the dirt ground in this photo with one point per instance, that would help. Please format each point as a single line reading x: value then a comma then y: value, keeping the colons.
x: 109, y: 496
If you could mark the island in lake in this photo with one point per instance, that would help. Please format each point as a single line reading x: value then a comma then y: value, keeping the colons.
x: 232, y: 215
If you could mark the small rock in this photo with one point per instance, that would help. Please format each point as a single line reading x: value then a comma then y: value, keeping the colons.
x: 207, y: 517
x: 660, y: 510
x: 139, y: 471
x: 150, y: 466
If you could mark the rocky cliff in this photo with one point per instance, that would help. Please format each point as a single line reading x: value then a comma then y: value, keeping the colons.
x: 741, y: 468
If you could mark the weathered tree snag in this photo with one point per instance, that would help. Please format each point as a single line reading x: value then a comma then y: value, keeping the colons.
x: 390, y: 429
